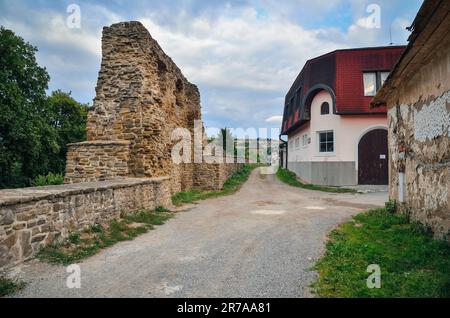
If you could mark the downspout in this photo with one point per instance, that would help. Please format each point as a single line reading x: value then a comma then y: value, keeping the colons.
x: 285, y: 144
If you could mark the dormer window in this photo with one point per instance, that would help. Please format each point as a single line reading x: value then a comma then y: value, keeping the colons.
x: 325, y: 109
x: 373, y: 82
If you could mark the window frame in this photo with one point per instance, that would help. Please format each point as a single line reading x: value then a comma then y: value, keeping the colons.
x: 381, y: 77
x: 305, y: 141
x: 321, y: 109
x: 319, y: 142
x: 378, y: 80
x: 365, y: 74
x: 297, y: 143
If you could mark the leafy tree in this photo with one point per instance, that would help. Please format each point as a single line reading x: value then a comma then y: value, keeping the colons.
x: 34, y: 128
x: 22, y: 102
x: 226, y: 139
x: 68, y: 118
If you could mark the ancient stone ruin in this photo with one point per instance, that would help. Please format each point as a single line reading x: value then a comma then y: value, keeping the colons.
x: 126, y: 164
x: 142, y: 97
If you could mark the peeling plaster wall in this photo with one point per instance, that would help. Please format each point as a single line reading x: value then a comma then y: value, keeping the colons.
x: 419, y: 144
x: 433, y: 120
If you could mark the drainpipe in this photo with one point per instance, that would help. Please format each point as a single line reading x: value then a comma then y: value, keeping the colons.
x: 285, y: 143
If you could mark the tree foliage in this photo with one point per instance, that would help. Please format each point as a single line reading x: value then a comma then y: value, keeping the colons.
x: 68, y: 118
x: 226, y: 139
x: 34, y: 128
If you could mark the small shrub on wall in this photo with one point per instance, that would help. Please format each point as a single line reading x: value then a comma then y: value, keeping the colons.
x: 49, y: 179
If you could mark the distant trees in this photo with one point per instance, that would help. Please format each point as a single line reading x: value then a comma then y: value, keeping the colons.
x: 34, y: 128
x: 226, y: 139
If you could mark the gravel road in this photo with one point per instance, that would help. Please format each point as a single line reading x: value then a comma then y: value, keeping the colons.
x: 259, y: 242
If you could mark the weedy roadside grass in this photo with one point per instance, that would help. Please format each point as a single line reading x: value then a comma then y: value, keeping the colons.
x: 81, y: 245
x: 232, y: 185
x: 9, y: 286
x: 290, y: 178
x: 412, y: 263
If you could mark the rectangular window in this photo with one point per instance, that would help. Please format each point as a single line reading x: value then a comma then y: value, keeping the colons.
x: 326, y: 142
x: 305, y: 140
x: 370, y: 84
x: 373, y: 82
x: 384, y: 76
x: 297, y: 143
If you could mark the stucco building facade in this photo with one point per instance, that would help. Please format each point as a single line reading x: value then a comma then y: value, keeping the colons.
x: 334, y: 137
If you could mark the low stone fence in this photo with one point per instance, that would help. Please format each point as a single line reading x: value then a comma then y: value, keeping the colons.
x: 34, y: 217
x: 213, y: 176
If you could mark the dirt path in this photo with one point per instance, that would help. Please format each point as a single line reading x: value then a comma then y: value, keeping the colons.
x: 260, y: 242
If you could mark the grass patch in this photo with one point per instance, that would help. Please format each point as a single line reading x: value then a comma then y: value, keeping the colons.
x: 9, y: 286
x: 412, y: 263
x: 232, y: 185
x: 290, y: 178
x: 80, y: 245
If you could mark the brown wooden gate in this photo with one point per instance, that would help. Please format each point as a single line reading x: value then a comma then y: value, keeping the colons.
x: 373, y: 158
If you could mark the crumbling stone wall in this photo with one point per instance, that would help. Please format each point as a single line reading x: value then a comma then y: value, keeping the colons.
x: 419, y: 144
x: 212, y: 176
x: 142, y: 96
x: 126, y: 164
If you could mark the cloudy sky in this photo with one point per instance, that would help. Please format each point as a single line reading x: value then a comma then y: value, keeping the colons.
x: 242, y: 54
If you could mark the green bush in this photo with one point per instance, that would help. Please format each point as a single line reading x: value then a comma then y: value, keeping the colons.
x: 50, y: 179
x: 391, y: 207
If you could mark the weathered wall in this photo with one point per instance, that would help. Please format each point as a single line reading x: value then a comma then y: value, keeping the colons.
x: 212, y: 176
x: 419, y: 143
x: 142, y: 96
x: 97, y: 161
x: 34, y: 217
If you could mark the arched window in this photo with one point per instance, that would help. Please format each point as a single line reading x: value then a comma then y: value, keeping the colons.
x: 325, y: 109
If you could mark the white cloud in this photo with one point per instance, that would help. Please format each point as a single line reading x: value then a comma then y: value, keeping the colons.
x: 50, y: 29
x: 244, y: 55
x: 274, y: 119
x: 240, y: 50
